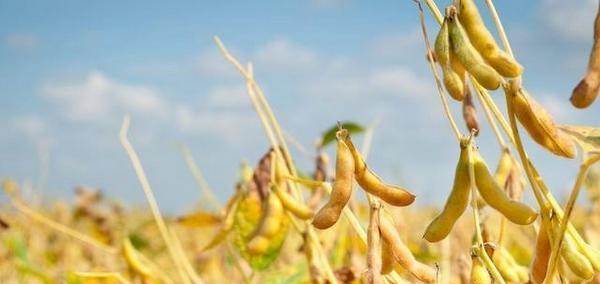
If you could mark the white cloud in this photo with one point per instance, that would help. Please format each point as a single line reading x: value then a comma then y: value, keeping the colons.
x: 22, y: 41
x: 573, y: 20
x: 281, y: 54
x: 212, y: 64
x: 400, y: 80
x: 34, y: 127
x: 227, y: 125
x: 404, y: 45
x: 228, y: 96
x: 97, y: 98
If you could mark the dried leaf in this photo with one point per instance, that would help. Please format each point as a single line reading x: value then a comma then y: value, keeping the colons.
x: 588, y: 138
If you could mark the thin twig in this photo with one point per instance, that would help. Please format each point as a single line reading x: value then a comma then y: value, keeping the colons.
x: 145, y: 184
x: 436, y: 76
x: 198, y: 176
x: 499, y: 27
x: 270, y: 124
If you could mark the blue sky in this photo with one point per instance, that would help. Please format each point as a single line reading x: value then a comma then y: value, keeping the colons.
x: 71, y: 69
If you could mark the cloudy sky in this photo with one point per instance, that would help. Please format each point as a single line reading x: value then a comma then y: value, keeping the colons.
x: 71, y: 69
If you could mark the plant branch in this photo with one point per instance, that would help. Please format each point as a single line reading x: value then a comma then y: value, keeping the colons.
x: 145, y: 184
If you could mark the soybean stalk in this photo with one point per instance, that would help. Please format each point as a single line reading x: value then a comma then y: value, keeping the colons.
x: 436, y: 76
x: 145, y: 184
x: 199, y: 177
x: 269, y: 123
x: 499, y: 27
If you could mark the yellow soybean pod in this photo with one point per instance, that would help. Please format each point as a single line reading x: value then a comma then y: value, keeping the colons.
x: 372, y: 184
x: 479, y: 274
x: 452, y: 81
x: 484, y: 42
x: 539, y: 265
x: 470, y: 58
x: 495, y: 196
x: 586, y: 91
x: 289, y: 203
x: 402, y: 254
x: 269, y: 226
x: 502, y: 260
x: 539, y: 123
x: 342, y: 187
x: 573, y: 258
x: 457, y: 201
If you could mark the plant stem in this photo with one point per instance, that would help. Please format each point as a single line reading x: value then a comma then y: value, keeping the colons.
x: 271, y: 127
x: 436, y: 76
x: 145, y: 184
x: 199, y: 177
x: 435, y: 10
x: 500, y: 27
x: 524, y: 159
x: 490, y: 119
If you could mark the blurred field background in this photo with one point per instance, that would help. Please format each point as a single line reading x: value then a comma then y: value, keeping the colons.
x: 71, y: 70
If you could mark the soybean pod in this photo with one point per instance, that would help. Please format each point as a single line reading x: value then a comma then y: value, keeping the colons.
x: 573, y: 258
x: 479, y: 274
x: 342, y: 187
x: 484, y: 42
x: 468, y: 55
x: 539, y: 265
x: 495, y: 196
x: 402, y: 254
x: 374, y: 253
x: 453, y: 82
x: 372, y: 184
x: 297, y: 208
x: 457, y: 201
x: 268, y: 227
x: 586, y: 91
x: 539, y: 123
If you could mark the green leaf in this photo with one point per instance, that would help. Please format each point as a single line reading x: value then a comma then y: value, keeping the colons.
x: 138, y: 241
x: 587, y: 137
x: 329, y: 135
